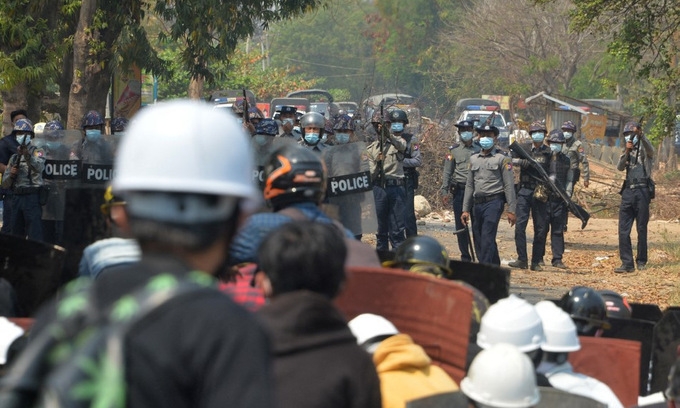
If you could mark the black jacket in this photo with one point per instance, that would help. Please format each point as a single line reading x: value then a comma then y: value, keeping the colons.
x: 317, y: 362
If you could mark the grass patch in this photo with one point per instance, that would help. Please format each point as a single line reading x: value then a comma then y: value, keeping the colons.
x: 672, y: 248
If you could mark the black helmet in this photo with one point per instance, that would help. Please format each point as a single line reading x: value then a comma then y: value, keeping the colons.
x: 294, y: 174
x: 617, y: 305
x: 587, y: 308
x: 421, y: 253
x: 398, y: 115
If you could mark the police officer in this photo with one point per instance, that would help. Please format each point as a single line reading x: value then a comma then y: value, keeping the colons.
x: 23, y: 176
x: 489, y: 185
x: 531, y: 199
x: 636, y: 160
x: 287, y: 118
x: 412, y: 160
x: 456, y: 169
x: 53, y: 210
x: 312, y: 125
x: 385, y: 158
x: 93, y: 148
x: 556, y: 214
x: 577, y: 155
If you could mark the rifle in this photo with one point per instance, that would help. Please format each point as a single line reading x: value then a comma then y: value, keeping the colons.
x: 17, y: 162
x: 246, y: 115
x: 381, y: 142
x: 574, y: 208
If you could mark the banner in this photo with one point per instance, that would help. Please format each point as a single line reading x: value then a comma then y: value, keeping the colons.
x: 127, y: 93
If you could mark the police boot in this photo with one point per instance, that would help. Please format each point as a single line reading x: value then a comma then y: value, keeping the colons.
x: 518, y: 264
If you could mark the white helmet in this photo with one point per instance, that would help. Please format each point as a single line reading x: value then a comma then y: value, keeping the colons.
x: 501, y: 376
x: 511, y: 320
x: 189, y: 148
x: 368, y: 326
x: 558, y: 327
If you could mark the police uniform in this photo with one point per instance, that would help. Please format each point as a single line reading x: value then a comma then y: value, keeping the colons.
x: 456, y: 169
x: 489, y: 185
x: 635, y: 201
x: 26, y: 209
x: 286, y: 110
x: 577, y: 157
x: 412, y: 160
x: 556, y: 212
x: 527, y: 204
x: 317, y: 148
x: 389, y: 200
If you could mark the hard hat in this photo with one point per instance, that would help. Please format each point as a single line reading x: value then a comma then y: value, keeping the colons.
x: 556, y: 136
x: 293, y: 174
x: 212, y: 150
x: 421, y: 250
x: 267, y: 127
x: 501, y: 376
x: 558, y: 328
x: 344, y: 122
x: 368, y: 326
x: 537, y: 127
x: 398, y: 115
x: 119, y: 124
x: 92, y: 118
x: 569, y: 125
x: 617, y: 305
x: 313, y: 119
x: 23, y: 126
x: 511, y: 320
x: 587, y: 308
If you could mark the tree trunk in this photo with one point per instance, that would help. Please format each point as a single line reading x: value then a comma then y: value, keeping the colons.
x: 195, y: 90
x: 82, y: 71
x: 13, y: 99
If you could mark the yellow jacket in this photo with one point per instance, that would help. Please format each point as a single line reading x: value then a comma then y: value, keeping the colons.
x: 406, y: 372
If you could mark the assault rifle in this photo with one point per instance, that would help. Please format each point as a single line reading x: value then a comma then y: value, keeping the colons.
x: 574, y: 208
x: 246, y: 115
x: 383, y: 134
x: 17, y: 160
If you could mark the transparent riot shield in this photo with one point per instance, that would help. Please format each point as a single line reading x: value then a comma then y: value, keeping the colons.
x: 96, y: 158
x: 349, y: 190
x: 262, y: 149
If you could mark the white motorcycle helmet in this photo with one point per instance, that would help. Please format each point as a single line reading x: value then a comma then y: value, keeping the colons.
x: 177, y: 154
x: 369, y: 327
x: 501, y: 376
x: 558, y: 327
x: 511, y: 320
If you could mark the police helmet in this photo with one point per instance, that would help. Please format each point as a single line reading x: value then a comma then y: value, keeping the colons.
x: 556, y: 136
x: 237, y: 107
x: 313, y: 119
x: 255, y: 113
x: 344, y: 122
x: 53, y: 125
x: 569, y: 125
x: 422, y: 253
x: 587, y: 308
x: 329, y: 127
x: 267, y: 127
x: 465, y: 124
x: 294, y: 174
x: 631, y: 127
x: 617, y: 305
x: 398, y: 115
x: 537, y: 126
x: 488, y: 128
x: 91, y: 119
x: 119, y: 124
x: 23, y: 126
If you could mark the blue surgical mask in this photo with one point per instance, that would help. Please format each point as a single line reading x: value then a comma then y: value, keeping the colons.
x: 568, y: 135
x: 466, y: 136
x: 555, y: 147
x: 24, y: 139
x: 312, y: 138
x: 537, y: 137
x: 628, y: 139
x: 397, y: 127
x: 342, y: 138
x: 261, y: 140
x: 290, y: 121
x: 486, y: 142
x: 93, y: 134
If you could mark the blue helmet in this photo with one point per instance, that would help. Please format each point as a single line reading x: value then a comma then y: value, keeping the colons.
x: 255, y: 113
x: 119, y: 124
x: 569, y: 125
x: 631, y: 126
x: 267, y: 127
x: 92, y: 118
x: 23, y: 125
x: 344, y: 122
x: 556, y: 136
x: 53, y: 125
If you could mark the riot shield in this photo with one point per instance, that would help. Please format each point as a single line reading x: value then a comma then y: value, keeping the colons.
x: 96, y: 160
x: 615, y: 362
x: 444, y: 400
x: 646, y: 311
x: 665, y: 348
x: 493, y: 281
x: 262, y: 152
x: 434, y: 312
x: 33, y: 269
x: 350, y: 191
x: 638, y: 330
x: 554, y: 398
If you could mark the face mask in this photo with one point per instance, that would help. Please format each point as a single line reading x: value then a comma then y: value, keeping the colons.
x: 397, y: 127
x: 556, y: 147
x: 261, y: 139
x: 24, y: 139
x: 289, y: 121
x: 342, y: 138
x: 93, y: 134
x: 466, y: 136
x: 568, y: 135
x: 628, y: 138
x: 486, y: 142
x: 297, y: 129
x: 312, y: 138
x: 537, y: 137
